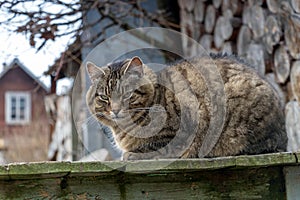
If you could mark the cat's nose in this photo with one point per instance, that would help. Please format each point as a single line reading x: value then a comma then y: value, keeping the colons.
x: 116, y: 111
x: 115, y: 108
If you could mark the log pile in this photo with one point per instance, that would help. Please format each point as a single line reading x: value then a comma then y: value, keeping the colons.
x: 264, y: 32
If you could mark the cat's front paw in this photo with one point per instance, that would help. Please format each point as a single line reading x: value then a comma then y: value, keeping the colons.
x: 130, y: 156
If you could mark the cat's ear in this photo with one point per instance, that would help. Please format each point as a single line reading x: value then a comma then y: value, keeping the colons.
x: 93, y: 71
x: 135, y: 66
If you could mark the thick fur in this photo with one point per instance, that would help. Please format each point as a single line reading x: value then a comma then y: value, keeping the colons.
x: 153, y: 107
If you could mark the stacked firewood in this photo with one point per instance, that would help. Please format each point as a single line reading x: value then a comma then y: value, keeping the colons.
x: 264, y: 32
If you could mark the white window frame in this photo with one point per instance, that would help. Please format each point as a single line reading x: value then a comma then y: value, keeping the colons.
x: 8, y: 107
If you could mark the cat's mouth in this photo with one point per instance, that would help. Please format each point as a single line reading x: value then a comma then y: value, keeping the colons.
x: 117, y: 117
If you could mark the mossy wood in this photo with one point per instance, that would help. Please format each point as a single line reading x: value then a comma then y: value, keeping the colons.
x: 246, y: 177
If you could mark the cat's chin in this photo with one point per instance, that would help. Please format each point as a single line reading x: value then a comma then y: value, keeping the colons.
x: 117, y: 118
x: 122, y: 121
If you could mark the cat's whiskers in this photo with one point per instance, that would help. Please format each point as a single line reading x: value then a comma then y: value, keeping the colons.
x: 88, y: 119
x: 151, y: 109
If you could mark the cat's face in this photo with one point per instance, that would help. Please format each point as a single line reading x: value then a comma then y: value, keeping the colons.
x: 119, y: 91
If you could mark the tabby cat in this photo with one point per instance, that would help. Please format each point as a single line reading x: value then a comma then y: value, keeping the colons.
x: 168, y: 114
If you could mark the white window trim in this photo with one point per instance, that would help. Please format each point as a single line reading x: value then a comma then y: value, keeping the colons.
x: 27, y: 118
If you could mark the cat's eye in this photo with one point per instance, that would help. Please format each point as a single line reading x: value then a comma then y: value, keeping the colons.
x: 103, y: 97
x: 127, y: 95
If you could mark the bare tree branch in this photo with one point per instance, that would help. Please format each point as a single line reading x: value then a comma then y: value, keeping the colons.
x: 47, y: 20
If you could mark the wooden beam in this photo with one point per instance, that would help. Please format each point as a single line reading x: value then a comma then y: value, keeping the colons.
x: 250, y: 177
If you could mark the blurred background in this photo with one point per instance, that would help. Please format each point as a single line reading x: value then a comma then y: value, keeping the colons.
x: 43, y: 44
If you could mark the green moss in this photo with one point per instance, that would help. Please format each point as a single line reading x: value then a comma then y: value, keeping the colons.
x: 265, y: 160
x: 258, y: 176
x: 59, y: 169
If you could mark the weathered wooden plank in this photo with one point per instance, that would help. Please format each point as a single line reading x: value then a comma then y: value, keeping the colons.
x: 183, y: 164
x: 37, y: 170
x: 16, y: 171
x: 221, y: 184
x: 251, y: 184
x: 49, y: 169
x: 265, y: 160
x: 292, y: 177
x: 4, y: 172
x: 91, y: 187
x: 250, y: 177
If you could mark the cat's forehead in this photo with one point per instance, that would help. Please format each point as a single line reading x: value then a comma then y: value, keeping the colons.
x: 117, y: 67
x: 112, y: 71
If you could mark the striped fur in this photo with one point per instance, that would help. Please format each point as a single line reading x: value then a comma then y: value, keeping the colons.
x: 145, y: 110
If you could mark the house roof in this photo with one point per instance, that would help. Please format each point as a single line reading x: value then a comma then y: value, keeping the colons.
x: 25, y: 69
x: 68, y: 64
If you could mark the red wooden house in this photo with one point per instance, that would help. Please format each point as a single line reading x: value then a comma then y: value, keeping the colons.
x: 23, y: 119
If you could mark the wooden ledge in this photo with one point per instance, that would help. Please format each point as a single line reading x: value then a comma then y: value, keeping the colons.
x: 60, y: 169
x: 269, y: 176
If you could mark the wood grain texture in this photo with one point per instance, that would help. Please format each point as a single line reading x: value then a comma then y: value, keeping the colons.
x: 257, y: 21
x: 199, y: 11
x: 292, y: 176
x: 218, y: 32
x: 255, y: 56
x: 273, y: 5
x: 291, y: 35
x: 206, y: 41
x: 210, y: 19
x: 227, y: 28
x: 189, y: 5
x: 227, y: 47
x: 233, y: 5
x: 295, y: 80
x: 295, y: 5
x: 217, y: 3
x: 282, y: 64
x: 292, y: 125
x: 250, y: 177
x: 272, y: 33
x: 243, y: 40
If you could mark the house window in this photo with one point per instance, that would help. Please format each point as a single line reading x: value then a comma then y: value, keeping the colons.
x: 17, y: 107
